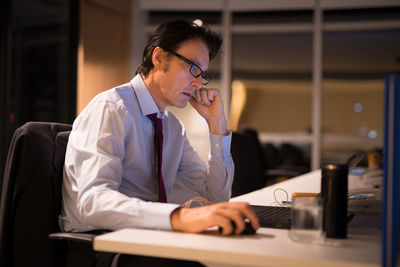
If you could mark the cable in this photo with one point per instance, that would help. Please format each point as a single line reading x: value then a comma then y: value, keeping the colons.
x: 283, y: 203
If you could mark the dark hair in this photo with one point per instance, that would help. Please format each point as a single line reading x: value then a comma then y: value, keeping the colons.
x: 171, y: 34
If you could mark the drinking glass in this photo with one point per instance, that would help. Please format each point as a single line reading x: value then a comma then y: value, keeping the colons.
x: 306, y: 225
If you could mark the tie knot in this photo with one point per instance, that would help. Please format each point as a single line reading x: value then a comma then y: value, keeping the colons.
x: 153, y: 117
x: 156, y: 122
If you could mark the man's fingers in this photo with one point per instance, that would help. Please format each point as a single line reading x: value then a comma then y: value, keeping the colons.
x: 196, y: 95
x: 222, y: 214
x: 237, y: 212
x: 225, y: 224
x: 205, y: 96
x: 211, y: 93
x: 235, y: 217
x: 248, y: 212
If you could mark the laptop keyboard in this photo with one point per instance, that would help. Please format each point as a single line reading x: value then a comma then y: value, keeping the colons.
x: 273, y: 217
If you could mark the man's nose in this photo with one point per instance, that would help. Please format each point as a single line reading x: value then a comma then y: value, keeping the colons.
x: 197, y: 82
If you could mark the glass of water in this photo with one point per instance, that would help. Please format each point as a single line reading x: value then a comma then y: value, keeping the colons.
x: 306, y: 223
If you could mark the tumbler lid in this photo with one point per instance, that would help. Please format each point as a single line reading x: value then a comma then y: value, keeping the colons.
x: 332, y: 166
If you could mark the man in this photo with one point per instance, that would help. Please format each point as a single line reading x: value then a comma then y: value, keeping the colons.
x: 114, y: 174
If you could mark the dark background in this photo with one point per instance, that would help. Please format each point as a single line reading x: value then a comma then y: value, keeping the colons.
x: 38, y: 65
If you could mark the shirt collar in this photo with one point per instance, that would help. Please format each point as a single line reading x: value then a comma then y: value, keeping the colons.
x: 146, y: 101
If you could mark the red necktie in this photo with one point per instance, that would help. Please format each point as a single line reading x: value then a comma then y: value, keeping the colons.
x: 158, y: 146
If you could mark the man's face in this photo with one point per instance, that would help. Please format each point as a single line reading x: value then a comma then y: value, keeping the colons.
x: 177, y: 84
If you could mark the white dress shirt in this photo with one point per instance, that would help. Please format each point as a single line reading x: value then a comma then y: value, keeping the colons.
x: 110, y: 177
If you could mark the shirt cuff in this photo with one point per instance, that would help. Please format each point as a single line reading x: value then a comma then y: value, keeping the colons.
x: 221, y: 143
x: 158, y: 216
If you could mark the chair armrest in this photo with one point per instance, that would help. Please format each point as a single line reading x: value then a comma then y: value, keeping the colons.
x: 101, y: 258
x: 80, y: 237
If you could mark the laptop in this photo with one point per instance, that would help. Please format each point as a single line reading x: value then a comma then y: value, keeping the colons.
x: 273, y: 216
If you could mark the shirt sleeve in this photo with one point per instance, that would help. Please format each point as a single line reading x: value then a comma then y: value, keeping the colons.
x: 93, y: 173
x: 213, y: 180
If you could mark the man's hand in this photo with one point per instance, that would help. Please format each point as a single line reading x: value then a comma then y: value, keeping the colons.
x: 209, y: 105
x: 196, y: 220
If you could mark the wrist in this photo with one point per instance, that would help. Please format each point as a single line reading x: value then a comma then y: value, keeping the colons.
x: 175, y: 218
x: 218, y: 126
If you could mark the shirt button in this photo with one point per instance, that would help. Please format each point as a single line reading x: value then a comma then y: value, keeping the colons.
x: 217, y: 145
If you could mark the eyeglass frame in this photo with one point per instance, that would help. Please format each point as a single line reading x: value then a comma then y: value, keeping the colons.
x: 205, y: 77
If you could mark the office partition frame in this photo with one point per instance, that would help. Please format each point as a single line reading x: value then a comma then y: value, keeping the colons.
x: 317, y: 28
x: 391, y: 181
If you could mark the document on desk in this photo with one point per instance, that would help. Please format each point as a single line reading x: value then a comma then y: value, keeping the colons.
x: 269, y: 247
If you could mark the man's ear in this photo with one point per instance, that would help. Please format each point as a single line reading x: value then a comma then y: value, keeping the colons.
x: 157, y: 57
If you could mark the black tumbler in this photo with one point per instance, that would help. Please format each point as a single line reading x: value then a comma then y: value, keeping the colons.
x: 334, y: 195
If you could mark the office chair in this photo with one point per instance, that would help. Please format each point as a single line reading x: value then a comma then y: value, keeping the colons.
x: 249, y: 162
x: 31, y: 200
x: 258, y: 165
x: 284, y: 162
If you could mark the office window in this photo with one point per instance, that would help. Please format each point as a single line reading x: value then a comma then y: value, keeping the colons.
x: 272, y: 17
x: 354, y: 69
x: 362, y: 14
x: 277, y: 80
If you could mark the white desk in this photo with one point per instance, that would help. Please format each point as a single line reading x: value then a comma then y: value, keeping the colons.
x: 310, y: 182
x: 270, y: 247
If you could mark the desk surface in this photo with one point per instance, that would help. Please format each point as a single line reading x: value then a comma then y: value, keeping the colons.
x: 310, y: 182
x: 269, y: 247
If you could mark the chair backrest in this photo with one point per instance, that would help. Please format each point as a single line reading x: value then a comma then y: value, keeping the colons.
x: 31, y: 195
x: 249, y: 162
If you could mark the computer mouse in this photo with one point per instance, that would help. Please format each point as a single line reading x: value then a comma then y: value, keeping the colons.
x: 248, y: 229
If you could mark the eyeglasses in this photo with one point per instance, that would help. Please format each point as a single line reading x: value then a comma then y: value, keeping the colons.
x: 194, y: 69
